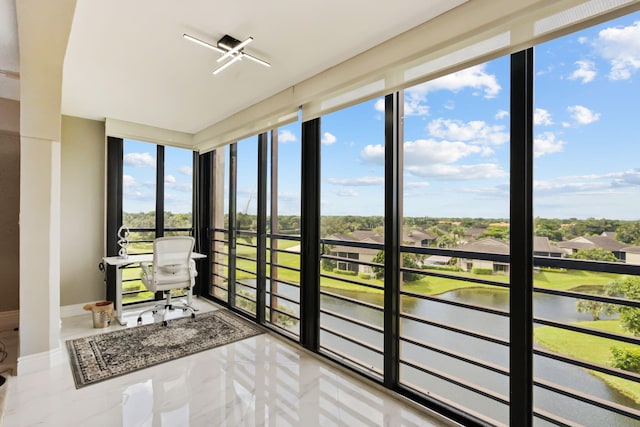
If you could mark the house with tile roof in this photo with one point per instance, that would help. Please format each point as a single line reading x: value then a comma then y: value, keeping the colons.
x: 490, y: 245
x: 591, y: 242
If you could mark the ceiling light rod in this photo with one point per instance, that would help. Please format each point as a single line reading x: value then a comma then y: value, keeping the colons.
x: 226, y: 64
x: 236, y: 48
x: 203, y: 43
x: 258, y: 60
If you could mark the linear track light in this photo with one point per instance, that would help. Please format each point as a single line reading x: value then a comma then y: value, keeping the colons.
x: 231, y: 49
x: 235, y: 49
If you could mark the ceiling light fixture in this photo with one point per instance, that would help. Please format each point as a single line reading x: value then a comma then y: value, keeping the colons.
x: 231, y: 49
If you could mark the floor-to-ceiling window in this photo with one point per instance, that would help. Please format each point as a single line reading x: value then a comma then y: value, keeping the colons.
x: 587, y: 210
x: 219, y: 287
x: 454, y: 326
x: 352, y: 231
x: 246, y: 223
x: 154, y: 179
x: 283, y: 225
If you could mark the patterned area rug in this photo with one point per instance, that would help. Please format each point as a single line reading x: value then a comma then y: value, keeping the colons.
x: 100, y: 357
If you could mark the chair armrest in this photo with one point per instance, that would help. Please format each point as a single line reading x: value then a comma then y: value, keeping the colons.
x: 146, y: 270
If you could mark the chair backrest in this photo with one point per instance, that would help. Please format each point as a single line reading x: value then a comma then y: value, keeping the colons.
x: 172, y: 261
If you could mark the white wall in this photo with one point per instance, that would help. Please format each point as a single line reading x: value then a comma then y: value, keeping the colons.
x: 82, y: 211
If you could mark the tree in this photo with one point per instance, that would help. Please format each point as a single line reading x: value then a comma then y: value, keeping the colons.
x: 408, y: 261
x: 629, y: 316
x: 379, y: 259
x: 594, y: 254
x: 597, y: 308
x: 629, y: 233
x: 446, y: 241
x: 497, y: 231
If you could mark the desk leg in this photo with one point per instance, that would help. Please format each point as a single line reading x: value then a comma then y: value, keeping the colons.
x: 119, y: 296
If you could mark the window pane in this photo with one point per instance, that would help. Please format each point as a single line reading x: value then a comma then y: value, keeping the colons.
x: 139, y: 210
x: 587, y: 206
x: 283, y: 253
x: 220, y: 244
x: 178, y: 191
x: 246, y: 220
x: 352, y: 215
x: 456, y: 196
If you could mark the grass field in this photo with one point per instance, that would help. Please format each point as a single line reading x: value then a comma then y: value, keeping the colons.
x: 590, y: 348
x: 428, y: 285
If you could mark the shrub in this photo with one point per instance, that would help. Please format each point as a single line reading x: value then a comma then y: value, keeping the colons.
x: 364, y: 276
x: 328, y: 264
x: 626, y: 358
x: 482, y: 271
x: 345, y: 272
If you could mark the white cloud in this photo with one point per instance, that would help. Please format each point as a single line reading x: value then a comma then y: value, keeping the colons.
x: 346, y: 192
x: 365, y: 180
x: 328, y: 139
x: 476, y: 131
x: 582, y: 115
x: 589, y: 184
x: 430, y: 152
x: 501, y: 114
x: 430, y: 158
x: 473, y: 77
x: 459, y: 172
x: 285, y: 135
x: 582, y: 40
x: 128, y: 181
x: 413, y: 105
x: 547, y: 144
x: 170, y: 179
x: 139, y: 160
x: 133, y: 190
x: 585, y: 72
x: 423, y: 152
x: 373, y: 154
x: 420, y: 184
x: 186, y: 170
x: 542, y: 117
x: 621, y: 47
x: 379, y: 105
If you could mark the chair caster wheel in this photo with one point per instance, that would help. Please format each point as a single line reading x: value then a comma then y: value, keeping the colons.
x: 164, y: 323
x: 139, y: 320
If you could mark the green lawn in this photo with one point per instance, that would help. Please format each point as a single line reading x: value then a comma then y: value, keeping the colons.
x: 428, y: 285
x: 590, y: 348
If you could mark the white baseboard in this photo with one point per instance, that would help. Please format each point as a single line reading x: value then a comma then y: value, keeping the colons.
x: 39, y: 361
x: 72, y: 310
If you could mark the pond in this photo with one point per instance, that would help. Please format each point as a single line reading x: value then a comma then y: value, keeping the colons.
x: 545, y: 306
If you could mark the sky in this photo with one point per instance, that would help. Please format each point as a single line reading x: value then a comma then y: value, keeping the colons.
x: 456, y: 147
x: 139, y: 178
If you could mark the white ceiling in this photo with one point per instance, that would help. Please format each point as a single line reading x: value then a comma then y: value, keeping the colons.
x: 127, y: 60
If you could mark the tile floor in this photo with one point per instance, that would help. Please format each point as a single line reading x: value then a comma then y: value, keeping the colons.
x: 259, y: 381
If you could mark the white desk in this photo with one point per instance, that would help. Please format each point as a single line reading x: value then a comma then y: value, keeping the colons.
x: 120, y: 262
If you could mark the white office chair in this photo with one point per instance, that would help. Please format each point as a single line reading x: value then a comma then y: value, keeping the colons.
x: 172, y: 268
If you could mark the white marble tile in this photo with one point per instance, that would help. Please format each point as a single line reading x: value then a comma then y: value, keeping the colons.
x: 260, y: 381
